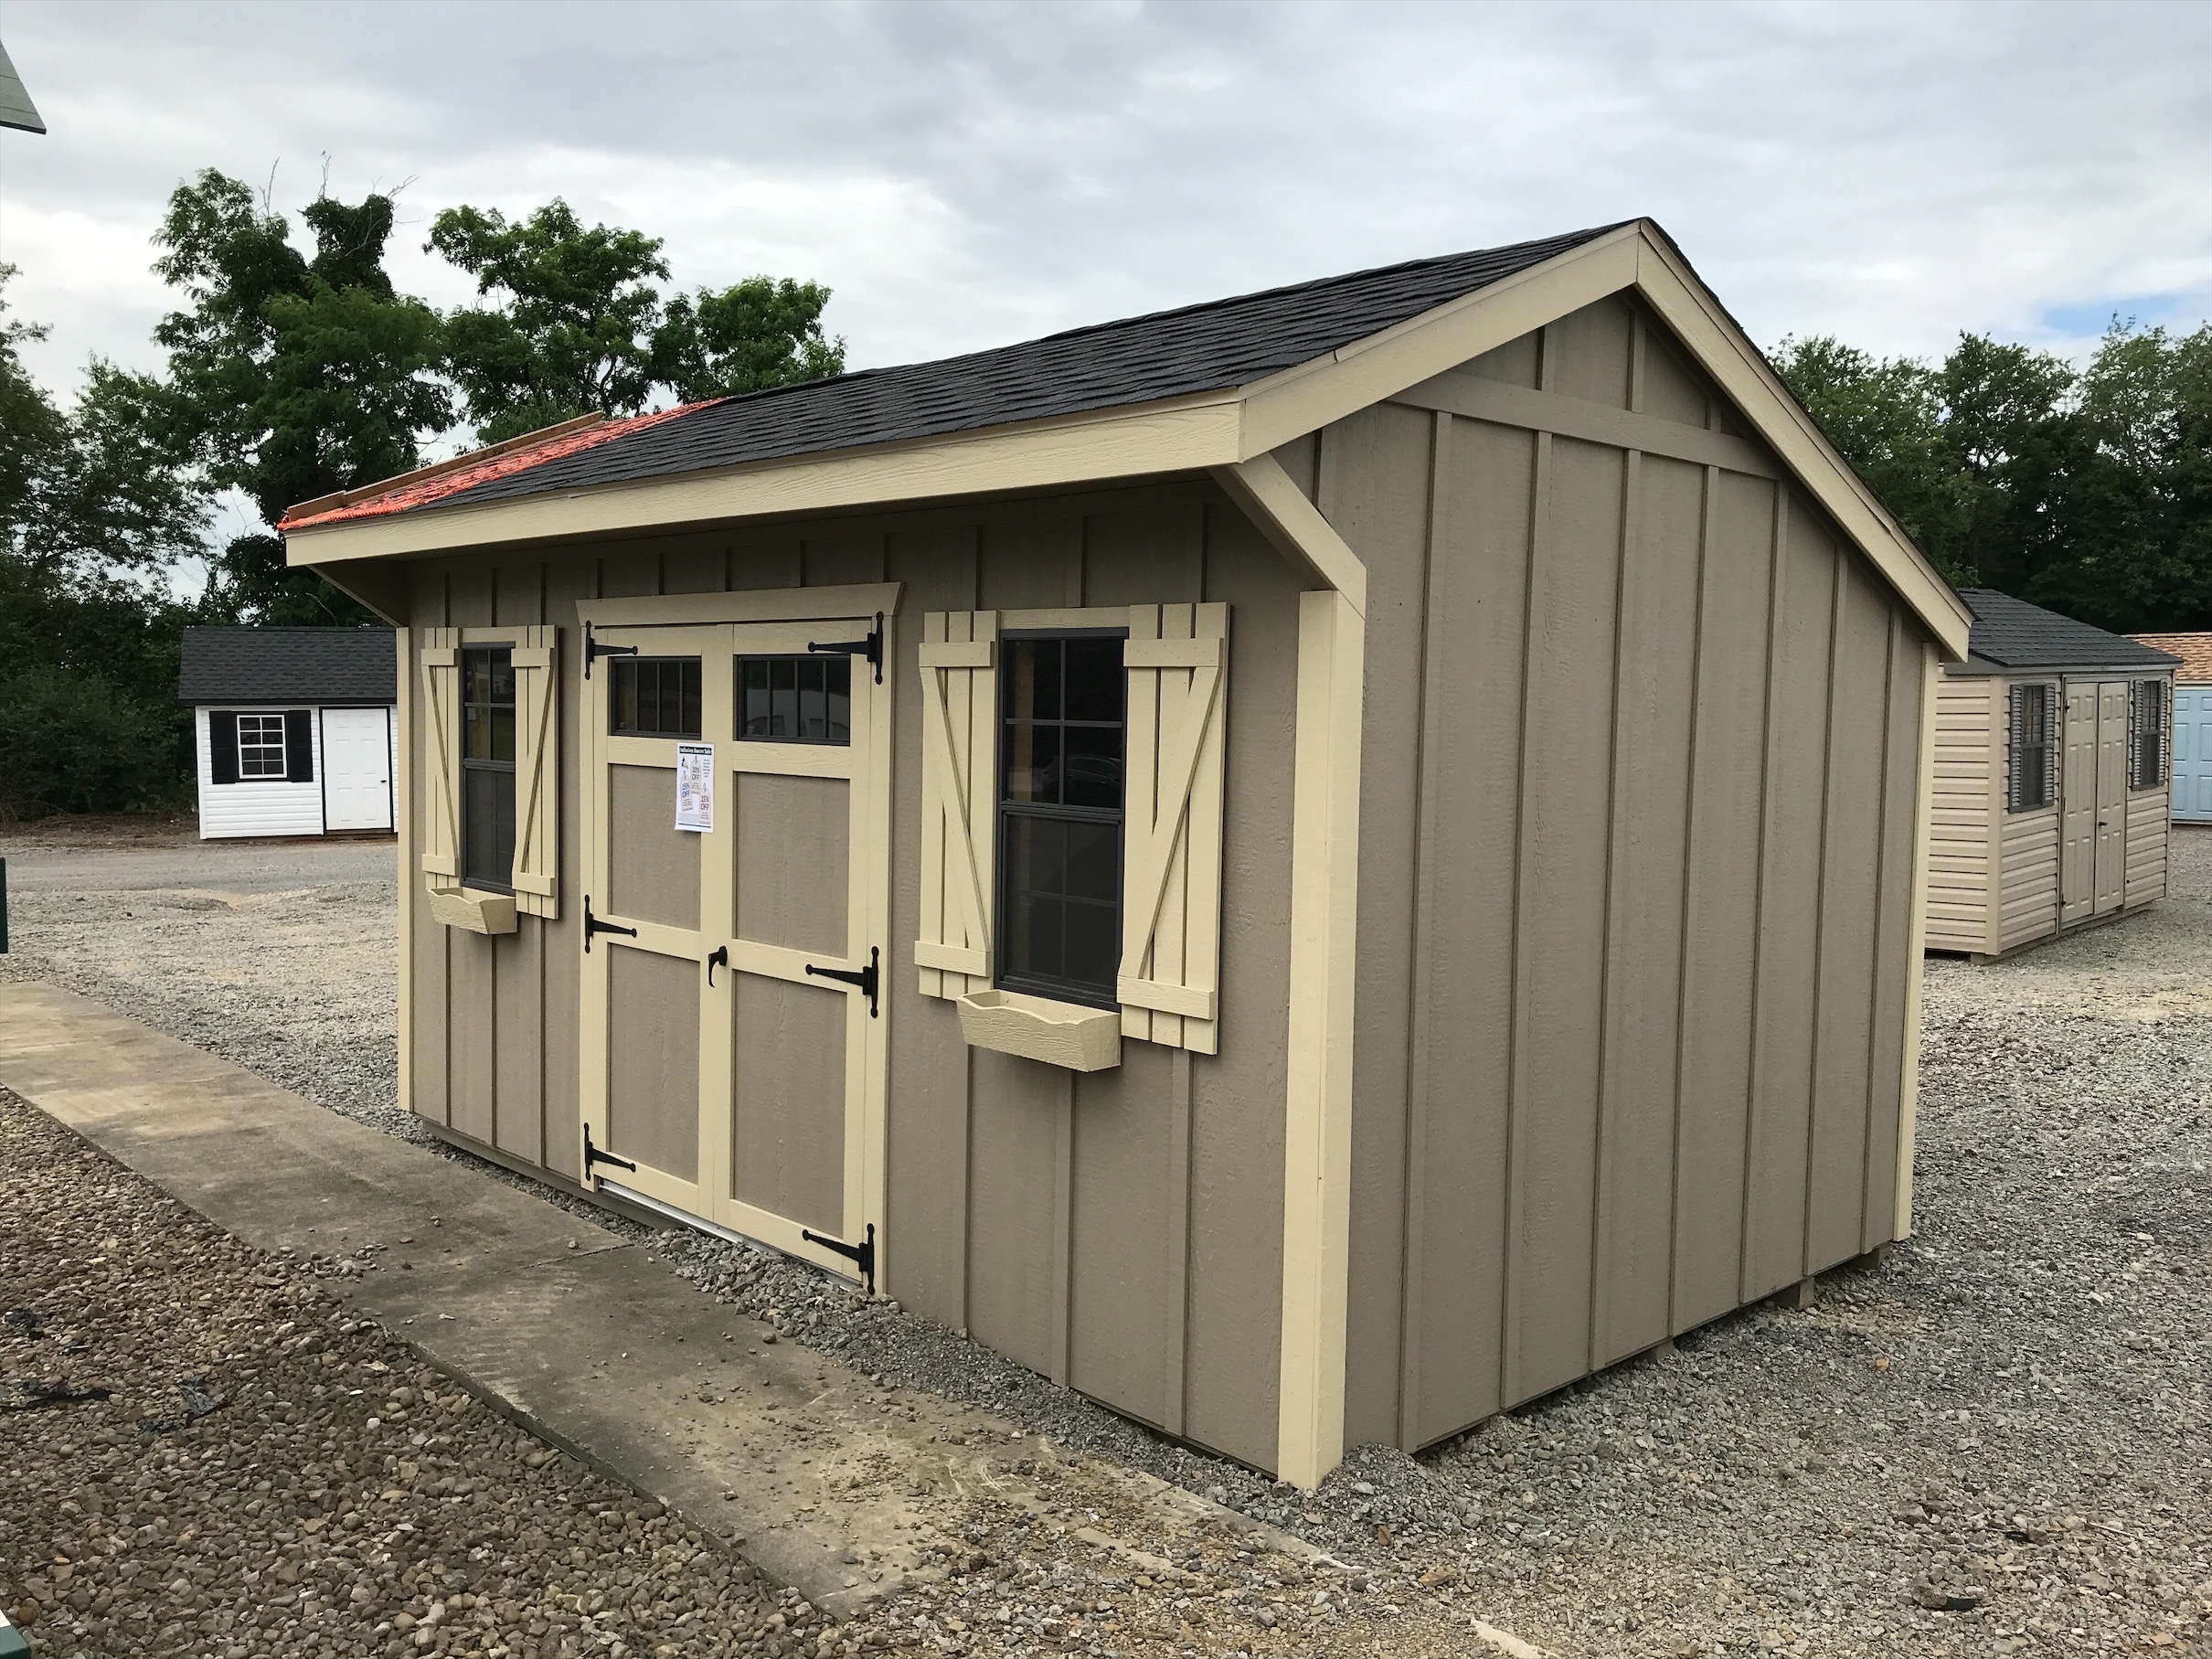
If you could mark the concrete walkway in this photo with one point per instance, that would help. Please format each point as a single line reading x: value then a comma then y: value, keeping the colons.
x: 591, y: 1343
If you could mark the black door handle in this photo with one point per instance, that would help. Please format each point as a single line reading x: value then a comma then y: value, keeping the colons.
x: 866, y: 978
x: 720, y: 959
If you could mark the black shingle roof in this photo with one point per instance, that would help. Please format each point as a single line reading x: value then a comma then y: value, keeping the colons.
x: 1169, y: 354
x: 288, y: 666
x: 2012, y: 633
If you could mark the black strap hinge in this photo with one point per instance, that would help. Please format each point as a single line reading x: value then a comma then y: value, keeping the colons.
x: 866, y: 978
x: 870, y: 647
x: 592, y: 924
x: 593, y: 1155
x: 593, y: 650
x: 861, y: 1255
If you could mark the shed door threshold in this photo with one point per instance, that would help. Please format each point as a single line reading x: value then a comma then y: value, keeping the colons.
x: 700, y: 1224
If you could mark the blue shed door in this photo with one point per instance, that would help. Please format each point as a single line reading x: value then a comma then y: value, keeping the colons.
x: 2192, y: 754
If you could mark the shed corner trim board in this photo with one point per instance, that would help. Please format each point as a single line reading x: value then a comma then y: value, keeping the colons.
x: 1317, y: 1139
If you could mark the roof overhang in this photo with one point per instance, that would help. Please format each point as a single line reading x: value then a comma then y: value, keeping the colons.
x: 1226, y: 434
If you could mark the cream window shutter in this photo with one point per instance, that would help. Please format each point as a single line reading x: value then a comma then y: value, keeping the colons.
x: 959, y: 800
x: 536, y: 878
x: 442, y: 755
x: 1177, y: 658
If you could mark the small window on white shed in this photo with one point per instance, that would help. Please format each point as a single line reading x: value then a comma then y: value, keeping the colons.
x: 261, y: 746
x: 2031, y: 738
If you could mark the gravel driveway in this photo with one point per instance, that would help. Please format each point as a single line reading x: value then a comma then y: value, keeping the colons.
x: 1999, y: 1441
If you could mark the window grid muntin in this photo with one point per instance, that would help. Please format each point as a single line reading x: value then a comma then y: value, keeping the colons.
x: 820, y: 688
x: 261, y: 748
x: 2032, y: 742
x: 2147, y: 734
x: 487, y: 766
x: 1034, y: 835
x: 656, y: 696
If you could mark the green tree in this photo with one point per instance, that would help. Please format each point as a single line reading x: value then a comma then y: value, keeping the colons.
x: 92, y: 514
x: 2087, y: 491
x: 576, y: 324
x: 291, y: 375
x: 1887, y: 417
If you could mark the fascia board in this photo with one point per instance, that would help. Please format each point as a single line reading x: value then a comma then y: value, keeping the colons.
x: 1742, y: 372
x: 1187, y: 436
x: 1309, y: 396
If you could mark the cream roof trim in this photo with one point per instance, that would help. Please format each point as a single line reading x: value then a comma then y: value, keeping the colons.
x: 1215, y: 432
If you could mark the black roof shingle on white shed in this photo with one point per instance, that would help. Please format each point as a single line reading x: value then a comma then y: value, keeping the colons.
x: 2009, y: 633
x: 288, y: 666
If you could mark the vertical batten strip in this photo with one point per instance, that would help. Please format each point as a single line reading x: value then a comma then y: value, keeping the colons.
x: 1883, y: 877
x: 1420, y: 975
x: 1176, y: 1342
x: 1769, y: 740
x: 403, y: 820
x: 1317, y: 1141
x: 1908, y: 1099
x: 1517, y: 1064
x: 1838, y: 597
x: 1708, y: 503
x: 1600, y: 1307
x: 1063, y: 1224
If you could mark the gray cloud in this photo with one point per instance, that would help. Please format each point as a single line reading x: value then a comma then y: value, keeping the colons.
x: 967, y: 175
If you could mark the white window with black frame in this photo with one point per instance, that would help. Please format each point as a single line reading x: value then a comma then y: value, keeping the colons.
x: 261, y: 746
x: 1071, y: 857
x: 2031, y: 747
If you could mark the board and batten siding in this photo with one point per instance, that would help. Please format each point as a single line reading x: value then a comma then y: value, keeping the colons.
x: 1643, y: 739
x: 1119, y: 1231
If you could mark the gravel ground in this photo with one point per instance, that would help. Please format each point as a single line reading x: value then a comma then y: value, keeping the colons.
x: 1998, y: 1441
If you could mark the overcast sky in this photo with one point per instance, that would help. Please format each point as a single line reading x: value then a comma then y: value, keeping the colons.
x: 967, y: 175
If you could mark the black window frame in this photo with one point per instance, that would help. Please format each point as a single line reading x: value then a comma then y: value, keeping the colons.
x: 1003, y: 900
x: 628, y: 672
x: 2021, y: 746
x: 829, y: 667
x: 487, y: 779
x: 2150, y: 724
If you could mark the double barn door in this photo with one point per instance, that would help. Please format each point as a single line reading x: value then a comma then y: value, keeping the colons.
x: 733, y: 1043
x: 2093, y: 783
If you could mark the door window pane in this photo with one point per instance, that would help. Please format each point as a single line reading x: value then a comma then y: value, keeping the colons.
x: 655, y: 696
x: 795, y: 699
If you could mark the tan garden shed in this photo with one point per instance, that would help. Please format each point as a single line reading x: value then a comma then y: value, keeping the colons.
x: 1313, y: 865
x: 2053, y: 762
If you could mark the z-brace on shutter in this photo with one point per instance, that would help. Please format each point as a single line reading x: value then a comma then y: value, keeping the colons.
x: 441, y: 756
x: 1171, y: 860
x: 537, y: 658
x: 959, y: 800
x: 1171, y: 863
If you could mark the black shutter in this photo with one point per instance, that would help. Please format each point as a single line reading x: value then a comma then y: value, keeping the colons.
x: 222, y: 745
x: 299, y: 746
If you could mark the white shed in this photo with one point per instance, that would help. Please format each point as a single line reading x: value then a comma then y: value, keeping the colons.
x: 292, y: 729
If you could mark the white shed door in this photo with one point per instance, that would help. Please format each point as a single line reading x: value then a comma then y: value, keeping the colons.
x: 356, y: 768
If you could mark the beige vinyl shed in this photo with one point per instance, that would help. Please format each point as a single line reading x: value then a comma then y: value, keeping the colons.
x: 2054, y: 763
x: 1312, y: 866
